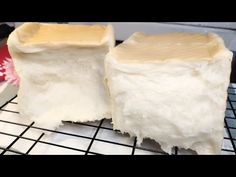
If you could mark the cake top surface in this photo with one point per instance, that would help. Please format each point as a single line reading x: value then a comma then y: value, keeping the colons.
x: 40, y: 33
x: 141, y: 47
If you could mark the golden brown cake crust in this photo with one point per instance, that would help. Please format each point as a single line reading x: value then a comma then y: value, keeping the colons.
x: 40, y: 33
x: 141, y: 47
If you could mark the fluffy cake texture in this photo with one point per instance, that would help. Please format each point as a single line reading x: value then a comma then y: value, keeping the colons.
x: 172, y: 88
x: 61, y: 70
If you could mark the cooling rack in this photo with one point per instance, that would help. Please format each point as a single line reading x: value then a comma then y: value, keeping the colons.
x: 20, y: 136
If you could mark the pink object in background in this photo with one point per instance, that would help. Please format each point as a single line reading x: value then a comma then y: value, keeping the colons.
x: 3, y: 54
x: 7, y: 71
x: 10, y: 74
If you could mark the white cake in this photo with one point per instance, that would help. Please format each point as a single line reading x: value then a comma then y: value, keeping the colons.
x: 172, y: 88
x: 61, y: 70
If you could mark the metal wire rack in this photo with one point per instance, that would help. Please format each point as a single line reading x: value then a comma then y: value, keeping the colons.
x: 20, y: 136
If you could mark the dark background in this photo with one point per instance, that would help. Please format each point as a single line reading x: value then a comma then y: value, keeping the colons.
x: 233, y: 73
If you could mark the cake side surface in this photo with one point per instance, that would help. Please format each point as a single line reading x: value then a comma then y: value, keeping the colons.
x: 62, y: 83
x: 176, y: 102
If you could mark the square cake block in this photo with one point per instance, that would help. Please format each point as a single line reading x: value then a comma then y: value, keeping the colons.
x: 61, y: 70
x: 172, y: 88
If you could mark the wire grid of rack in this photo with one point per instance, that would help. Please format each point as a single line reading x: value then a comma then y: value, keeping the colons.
x: 20, y: 136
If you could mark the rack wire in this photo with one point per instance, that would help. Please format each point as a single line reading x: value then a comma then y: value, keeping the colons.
x: 20, y: 136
